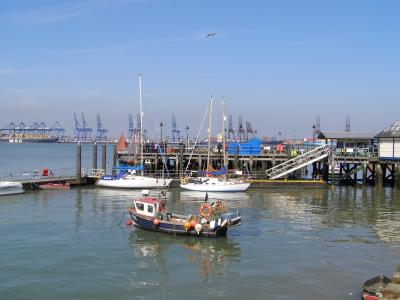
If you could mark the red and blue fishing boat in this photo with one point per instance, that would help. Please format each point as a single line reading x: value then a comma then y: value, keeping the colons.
x: 151, y: 213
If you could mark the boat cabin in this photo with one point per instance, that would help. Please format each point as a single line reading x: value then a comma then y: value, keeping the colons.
x: 149, y: 206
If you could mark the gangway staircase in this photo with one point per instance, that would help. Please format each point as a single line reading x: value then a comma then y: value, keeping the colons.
x: 299, y: 162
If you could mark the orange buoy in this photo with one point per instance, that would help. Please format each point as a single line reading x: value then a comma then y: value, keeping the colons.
x: 156, y: 222
x: 129, y: 223
x: 187, y: 226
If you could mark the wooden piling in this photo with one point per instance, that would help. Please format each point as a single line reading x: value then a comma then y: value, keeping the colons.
x: 94, y: 151
x: 114, y: 171
x: 181, y: 161
x: 378, y: 175
x: 78, y: 162
x: 236, y: 155
x: 104, y: 157
x: 397, y: 176
x: 365, y: 172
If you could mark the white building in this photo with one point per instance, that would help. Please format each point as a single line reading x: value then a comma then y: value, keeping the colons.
x: 389, y: 142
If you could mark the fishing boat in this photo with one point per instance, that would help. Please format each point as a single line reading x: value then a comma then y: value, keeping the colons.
x: 373, y: 288
x: 10, y: 188
x: 54, y: 186
x: 151, y: 213
x: 128, y: 177
x: 211, y: 180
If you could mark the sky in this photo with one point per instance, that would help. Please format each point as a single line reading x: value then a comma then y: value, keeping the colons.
x: 279, y: 64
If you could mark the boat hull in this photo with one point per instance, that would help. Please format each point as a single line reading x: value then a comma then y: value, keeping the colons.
x: 10, y: 188
x: 139, y: 182
x: 54, y: 186
x: 172, y: 228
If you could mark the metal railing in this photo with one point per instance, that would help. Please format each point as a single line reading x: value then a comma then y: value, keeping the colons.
x: 299, y: 162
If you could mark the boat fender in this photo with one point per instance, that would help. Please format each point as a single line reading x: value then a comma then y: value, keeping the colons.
x: 129, y: 223
x: 212, y: 225
x: 224, y: 223
x: 156, y: 222
x: 187, y: 226
x: 198, y: 228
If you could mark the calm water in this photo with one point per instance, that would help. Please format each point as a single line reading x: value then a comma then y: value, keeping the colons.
x: 293, y: 244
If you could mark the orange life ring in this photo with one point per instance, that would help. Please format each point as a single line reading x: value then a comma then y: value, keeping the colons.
x: 45, y: 172
x: 205, y: 210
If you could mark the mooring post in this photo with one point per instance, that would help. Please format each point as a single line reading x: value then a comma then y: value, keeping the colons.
x: 114, y: 171
x: 365, y: 172
x: 94, y: 149
x: 378, y: 175
x: 104, y: 157
x: 181, y: 161
x: 78, y: 162
x: 177, y: 164
x: 332, y: 171
x: 236, y: 154
x: 397, y: 176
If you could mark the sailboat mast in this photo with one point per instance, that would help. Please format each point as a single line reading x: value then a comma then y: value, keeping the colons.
x: 223, y: 132
x: 141, y: 121
x: 209, y: 132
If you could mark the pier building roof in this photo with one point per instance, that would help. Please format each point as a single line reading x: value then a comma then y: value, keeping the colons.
x: 392, y: 131
x: 346, y: 135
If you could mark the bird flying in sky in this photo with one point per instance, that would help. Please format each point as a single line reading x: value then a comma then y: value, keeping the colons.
x: 211, y: 34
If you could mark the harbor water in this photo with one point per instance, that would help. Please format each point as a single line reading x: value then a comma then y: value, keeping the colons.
x: 317, y: 243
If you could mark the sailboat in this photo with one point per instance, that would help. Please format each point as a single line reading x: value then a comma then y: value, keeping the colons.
x: 214, y: 181
x: 128, y: 177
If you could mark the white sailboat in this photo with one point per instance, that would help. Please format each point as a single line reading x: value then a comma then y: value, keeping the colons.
x: 131, y: 179
x: 212, y: 183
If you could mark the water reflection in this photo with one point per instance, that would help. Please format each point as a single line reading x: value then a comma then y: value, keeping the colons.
x: 211, y: 257
x: 233, y: 200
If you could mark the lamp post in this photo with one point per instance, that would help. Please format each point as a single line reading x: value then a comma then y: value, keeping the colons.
x: 187, y: 137
x: 313, y: 137
x: 162, y: 144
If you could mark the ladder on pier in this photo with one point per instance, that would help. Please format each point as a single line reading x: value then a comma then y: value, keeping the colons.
x: 299, y: 162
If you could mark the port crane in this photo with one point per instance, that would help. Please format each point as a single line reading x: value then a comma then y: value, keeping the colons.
x: 101, y: 132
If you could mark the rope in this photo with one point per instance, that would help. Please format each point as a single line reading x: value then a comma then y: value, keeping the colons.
x: 119, y: 224
x: 197, y: 138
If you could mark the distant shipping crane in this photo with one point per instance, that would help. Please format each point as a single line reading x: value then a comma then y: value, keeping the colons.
x: 101, y: 132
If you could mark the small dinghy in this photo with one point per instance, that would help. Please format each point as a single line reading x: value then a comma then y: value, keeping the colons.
x: 151, y: 213
x: 372, y: 289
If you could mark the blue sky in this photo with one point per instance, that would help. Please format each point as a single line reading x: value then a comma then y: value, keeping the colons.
x: 278, y: 63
